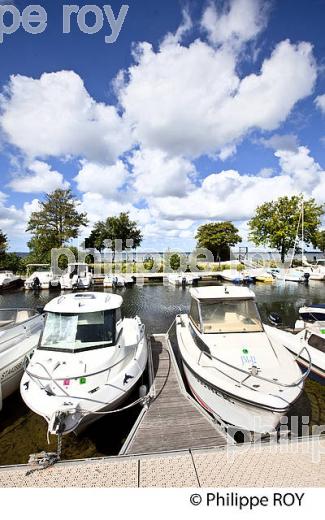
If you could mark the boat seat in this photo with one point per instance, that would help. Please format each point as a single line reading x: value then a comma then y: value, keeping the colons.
x: 22, y: 316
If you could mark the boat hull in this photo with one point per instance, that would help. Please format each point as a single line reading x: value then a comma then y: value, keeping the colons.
x: 231, y: 411
x: 83, y: 411
x: 12, y: 358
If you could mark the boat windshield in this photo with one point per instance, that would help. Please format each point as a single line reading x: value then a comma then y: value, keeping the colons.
x: 76, y: 332
x: 230, y: 316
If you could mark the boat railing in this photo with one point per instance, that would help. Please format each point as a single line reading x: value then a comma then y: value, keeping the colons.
x: 254, y: 373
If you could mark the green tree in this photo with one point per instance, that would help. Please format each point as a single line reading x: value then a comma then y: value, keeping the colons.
x: 218, y: 237
x: 115, y: 228
x: 320, y: 240
x: 3, y: 243
x: 12, y: 262
x: 275, y: 223
x: 55, y: 223
x: 175, y: 261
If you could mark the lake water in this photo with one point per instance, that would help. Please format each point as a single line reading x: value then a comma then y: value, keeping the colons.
x: 23, y: 432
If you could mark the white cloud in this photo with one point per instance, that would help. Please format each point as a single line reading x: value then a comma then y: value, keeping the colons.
x: 320, y: 103
x: 241, y: 21
x: 55, y: 116
x: 304, y: 171
x: 97, y: 178
x: 41, y: 178
x: 13, y: 220
x: 229, y: 195
x: 190, y: 100
x: 281, y: 142
x: 157, y: 174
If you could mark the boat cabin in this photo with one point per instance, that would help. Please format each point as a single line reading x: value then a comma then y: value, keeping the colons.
x: 223, y: 309
x: 80, y: 322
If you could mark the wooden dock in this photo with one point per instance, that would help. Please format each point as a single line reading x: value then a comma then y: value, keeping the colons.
x: 173, y: 421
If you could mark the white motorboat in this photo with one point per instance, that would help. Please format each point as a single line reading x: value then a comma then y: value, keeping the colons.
x: 20, y: 330
x: 307, y: 344
x: 182, y: 279
x: 261, y: 275
x: 77, y: 276
x: 310, y: 314
x: 88, y: 361
x: 315, y: 272
x: 8, y: 280
x: 234, y: 367
x: 320, y: 264
x: 290, y: 275
x: 40, y: 276
x: 118, y: 280
x: 232, y: 275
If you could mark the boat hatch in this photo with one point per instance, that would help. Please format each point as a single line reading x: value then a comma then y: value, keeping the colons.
x: 85, y: 296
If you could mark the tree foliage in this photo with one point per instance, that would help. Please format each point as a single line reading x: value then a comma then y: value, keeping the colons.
x: 320, y: 240
x: 275, y: 223
x: 12, y: 262
x: 3, y: 243
x: 56, y: 221
x: 115, y: 228
x: 175, y: 261
x: 218, y: 237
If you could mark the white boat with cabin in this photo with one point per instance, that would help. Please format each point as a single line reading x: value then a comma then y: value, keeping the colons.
x: 20, y: 330
x: 315, y: 272
x: 40, y: 276
x: 182, y: 279
x: 118, y: 280
x: 88, y: 361
x: 8, y: 280
x: 77, y: 276
x: 234, y: 367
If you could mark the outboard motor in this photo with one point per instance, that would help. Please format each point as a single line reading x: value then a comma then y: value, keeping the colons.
x: 306, y: 276
x: 36, y: 284
x: 184, y: 281
x: 275, y: 319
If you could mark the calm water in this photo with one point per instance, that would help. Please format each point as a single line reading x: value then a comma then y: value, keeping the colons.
x: 22, y: 432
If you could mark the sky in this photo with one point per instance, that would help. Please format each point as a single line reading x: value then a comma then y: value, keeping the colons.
x: 199, y: 111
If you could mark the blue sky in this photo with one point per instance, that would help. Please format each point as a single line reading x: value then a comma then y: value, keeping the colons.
x: 198, y: 112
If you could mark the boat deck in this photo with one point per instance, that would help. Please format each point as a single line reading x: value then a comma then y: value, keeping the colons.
x: 174, y: 421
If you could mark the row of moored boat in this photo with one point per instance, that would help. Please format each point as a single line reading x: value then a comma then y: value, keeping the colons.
x: 82, y: 359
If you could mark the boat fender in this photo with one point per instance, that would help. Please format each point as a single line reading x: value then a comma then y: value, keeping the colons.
x: 143, y: 391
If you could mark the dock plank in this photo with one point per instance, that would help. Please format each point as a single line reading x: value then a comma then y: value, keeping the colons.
x: 172, y: 421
